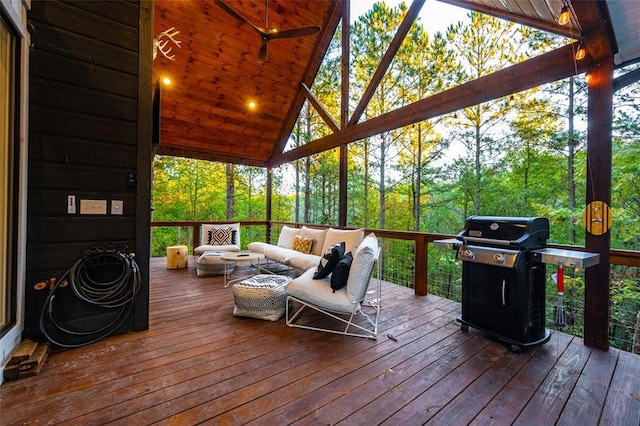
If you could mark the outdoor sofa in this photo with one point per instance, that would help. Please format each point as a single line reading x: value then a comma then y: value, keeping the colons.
x: 303, y: 248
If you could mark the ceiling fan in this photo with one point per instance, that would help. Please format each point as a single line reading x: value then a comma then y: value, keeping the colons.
x: 267, y: 34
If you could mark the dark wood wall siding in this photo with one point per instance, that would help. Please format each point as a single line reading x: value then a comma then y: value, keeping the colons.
x: 84, y: 139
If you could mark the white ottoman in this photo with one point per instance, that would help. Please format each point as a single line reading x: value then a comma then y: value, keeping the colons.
x: 209, y: 264
x: 261, y: 296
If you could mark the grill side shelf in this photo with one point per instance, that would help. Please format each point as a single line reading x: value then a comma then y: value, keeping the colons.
x: 573, y: 258
x: 450, y: 243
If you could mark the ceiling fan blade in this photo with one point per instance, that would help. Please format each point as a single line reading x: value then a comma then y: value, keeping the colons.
x: 237, y: 16
x: 262, y: 53
x: 296, y: 32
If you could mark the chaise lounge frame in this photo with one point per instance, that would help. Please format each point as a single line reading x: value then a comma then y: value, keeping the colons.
x: 369, y: 330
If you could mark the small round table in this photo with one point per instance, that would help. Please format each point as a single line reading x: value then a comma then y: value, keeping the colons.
x: 236, y: 257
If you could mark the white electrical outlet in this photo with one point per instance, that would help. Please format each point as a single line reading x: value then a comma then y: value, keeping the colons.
x: 71, y: 204
x: 93, y: 206
x: 117, y: 207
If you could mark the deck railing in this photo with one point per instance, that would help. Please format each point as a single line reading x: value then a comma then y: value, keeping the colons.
x: 409, y: 259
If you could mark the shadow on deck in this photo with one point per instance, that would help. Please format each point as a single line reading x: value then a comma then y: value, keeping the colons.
x: 199, y: 363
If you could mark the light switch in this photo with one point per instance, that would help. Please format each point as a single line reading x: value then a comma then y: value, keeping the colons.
x: 71, y: 204
x: 117, y: 207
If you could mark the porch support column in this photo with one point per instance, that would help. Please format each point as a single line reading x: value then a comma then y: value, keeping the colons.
x: 268, y: 203
x: 599, y: 158
x: 344, y: 115
x: 342, y: 195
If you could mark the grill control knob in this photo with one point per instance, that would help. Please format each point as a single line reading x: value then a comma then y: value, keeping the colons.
x: 498, y: 258
x: 468, y: 254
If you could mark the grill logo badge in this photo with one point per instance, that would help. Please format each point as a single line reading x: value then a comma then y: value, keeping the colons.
x: 494, y: 226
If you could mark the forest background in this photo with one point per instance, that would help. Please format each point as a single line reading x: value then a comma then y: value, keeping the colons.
x: 524, y: 155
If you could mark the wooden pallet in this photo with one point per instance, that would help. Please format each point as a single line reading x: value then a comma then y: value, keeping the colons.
x: 26, y: 360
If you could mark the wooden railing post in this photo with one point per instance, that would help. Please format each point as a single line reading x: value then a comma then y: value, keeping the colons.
x: 196, y: 234
x: 421, y: 267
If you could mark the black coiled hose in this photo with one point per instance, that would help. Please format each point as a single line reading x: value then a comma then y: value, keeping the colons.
x: 117, y: 292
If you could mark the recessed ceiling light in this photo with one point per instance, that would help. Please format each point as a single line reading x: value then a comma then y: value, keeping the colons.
x: 166, y: 81
x: 252, y: 105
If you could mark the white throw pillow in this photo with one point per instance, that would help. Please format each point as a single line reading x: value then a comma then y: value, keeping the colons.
x: 318, y: 235
x: 220, y: 230
x: 287, y: 235
x: 363, y: 260
x: 351, y: 238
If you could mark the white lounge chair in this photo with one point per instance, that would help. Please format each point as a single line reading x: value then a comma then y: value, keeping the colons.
x: 346, y: 304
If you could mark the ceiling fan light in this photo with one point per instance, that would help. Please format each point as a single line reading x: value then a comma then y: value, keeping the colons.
x: 565, y: 15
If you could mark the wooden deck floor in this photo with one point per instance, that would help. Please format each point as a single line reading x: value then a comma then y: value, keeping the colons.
x: 199, y: 364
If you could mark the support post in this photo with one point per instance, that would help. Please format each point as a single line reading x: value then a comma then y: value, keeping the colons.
x: 599, y: 158
x: 268, y: 206
x: 422, y: 256
x: 344, y: 116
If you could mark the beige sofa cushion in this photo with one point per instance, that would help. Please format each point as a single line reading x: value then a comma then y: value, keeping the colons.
x: 287, y: 235
x: 318, y: 235
x: 363, y: 261
x: 351, y: 238
x: 320, y: 293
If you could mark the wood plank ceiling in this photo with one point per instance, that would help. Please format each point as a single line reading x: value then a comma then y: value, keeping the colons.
x: 205, y: 112
x: 215, y: 74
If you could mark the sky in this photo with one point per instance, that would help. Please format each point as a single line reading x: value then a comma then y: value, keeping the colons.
x: 434, y: 15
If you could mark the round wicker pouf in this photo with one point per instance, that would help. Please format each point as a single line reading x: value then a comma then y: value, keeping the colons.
x: 209, y: 264
x: 262, y: 296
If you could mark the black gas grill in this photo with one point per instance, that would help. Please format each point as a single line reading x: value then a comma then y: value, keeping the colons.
x: 503, y: 278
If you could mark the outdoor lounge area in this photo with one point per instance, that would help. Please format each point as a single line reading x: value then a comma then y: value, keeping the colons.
x: 129, y: 125
x: 263, y: 372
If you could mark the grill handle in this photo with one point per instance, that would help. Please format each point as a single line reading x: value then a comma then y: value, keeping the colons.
x: 487, y: 241
x: 504, y: 292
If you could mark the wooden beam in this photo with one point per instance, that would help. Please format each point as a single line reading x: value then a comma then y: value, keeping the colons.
x: 625, y: 80
x: 542, y: 69
x: 599, y: 157
x: 596, y: 28
x: 208, y: 156
x: 319, y: 108
x: 398, y: 38
x: 329, y: 28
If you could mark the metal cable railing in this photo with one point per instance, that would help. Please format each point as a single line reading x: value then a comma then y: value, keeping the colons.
x: 443, y: 273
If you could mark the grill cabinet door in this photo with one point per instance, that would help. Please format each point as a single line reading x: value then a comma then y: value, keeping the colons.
x: 490, y: 298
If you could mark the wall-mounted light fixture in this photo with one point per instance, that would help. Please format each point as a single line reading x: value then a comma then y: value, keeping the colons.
x: 565, y: 15
x: 581, y: 52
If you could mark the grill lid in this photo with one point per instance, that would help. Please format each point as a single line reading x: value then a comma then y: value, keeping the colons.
x: 523, y: 233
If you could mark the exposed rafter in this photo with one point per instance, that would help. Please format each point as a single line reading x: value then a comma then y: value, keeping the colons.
x: 543, y: 69
x: 395, y: 44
